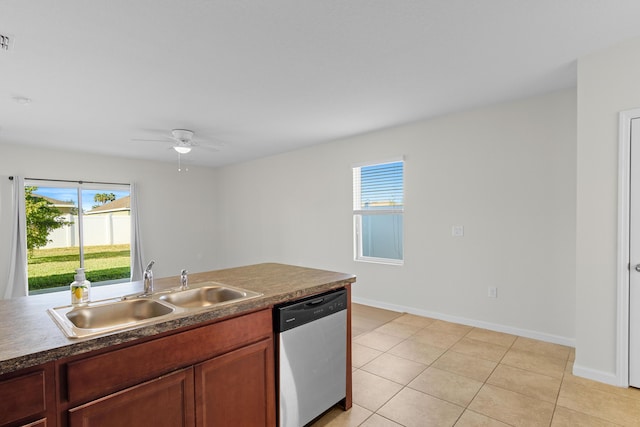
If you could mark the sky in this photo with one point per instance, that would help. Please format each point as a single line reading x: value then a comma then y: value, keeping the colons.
x: 71, y: 194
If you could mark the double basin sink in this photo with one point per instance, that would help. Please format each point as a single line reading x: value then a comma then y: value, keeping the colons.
x: 112, y: 315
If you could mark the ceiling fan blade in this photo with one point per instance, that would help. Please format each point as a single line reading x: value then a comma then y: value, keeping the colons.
x: 205, y: 143
x: 168, y: 140
x: 183, y: 138
x: 207, y: 147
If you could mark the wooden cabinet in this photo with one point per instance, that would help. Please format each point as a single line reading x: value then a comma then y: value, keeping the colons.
x: 215, y: 374
x: 39, y: 423
x: 27, y: 397
x: 209, y: 375
x: 166, y: 401
x: 235, y: 389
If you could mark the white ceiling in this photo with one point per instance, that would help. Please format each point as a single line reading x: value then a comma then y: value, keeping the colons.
x: 263, y: 77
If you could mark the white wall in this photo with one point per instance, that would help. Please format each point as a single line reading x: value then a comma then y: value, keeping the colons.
x: 509, y: 173
x: 176, y: 210
x: 608, y: 83
x: 506, y: 173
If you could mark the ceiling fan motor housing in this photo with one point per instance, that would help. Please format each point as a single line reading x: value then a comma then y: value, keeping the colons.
x: 182, y: 134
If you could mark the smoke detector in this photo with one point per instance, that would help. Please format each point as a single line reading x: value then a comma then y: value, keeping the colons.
x: 22, y: 100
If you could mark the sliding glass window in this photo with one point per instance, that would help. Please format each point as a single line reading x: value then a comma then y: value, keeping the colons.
x: 72, y: 226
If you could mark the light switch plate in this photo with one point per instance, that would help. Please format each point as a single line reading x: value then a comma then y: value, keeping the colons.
x: 457, y: 231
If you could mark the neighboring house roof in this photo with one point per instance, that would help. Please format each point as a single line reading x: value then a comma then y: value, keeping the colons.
x: 64, y: 206
x: 122, y: 204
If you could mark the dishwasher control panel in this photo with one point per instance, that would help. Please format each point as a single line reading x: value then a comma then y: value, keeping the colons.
x: 308, y: 309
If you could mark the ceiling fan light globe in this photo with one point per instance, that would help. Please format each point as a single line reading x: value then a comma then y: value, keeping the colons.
x: 182, y: 149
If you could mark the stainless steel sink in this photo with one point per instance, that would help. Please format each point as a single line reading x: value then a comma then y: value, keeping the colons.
x: 107, y: 316
x: 117, y: 313
x: 204, y: 296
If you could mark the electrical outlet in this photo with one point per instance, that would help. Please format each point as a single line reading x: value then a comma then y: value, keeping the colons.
x: 493, y: 292
x: 6, y: 42
x: 457, y: 231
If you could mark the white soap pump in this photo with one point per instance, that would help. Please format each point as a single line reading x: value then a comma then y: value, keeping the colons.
x: 80, y: 288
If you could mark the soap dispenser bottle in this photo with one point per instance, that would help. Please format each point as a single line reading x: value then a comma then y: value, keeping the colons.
x: 80, y: 288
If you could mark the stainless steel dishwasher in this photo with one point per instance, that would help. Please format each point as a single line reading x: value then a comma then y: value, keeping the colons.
x: 312, y: 357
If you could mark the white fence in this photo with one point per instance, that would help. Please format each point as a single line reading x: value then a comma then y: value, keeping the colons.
x: 103, y: 229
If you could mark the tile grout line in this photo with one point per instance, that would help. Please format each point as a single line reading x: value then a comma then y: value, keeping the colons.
x: 555, y: 405
x: 449, y: 348
x: 563, y: 378
x: 485, y: 383
x: 403, y: 385
x: 445, y: 351
x: 375, y: 412
x: 570, y: 409
x: 427, y: 366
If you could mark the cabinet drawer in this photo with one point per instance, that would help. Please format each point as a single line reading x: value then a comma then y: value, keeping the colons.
x: 39, y: 423
x: 109, y: 372
x: 166, y: 401
x: 22, y: 397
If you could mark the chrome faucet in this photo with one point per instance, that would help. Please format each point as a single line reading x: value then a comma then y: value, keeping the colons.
x: 184, y: 281
x: 147, y: 278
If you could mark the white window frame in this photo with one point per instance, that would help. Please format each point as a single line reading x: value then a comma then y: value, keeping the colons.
x: 80, y: 187
x: 359, y: 213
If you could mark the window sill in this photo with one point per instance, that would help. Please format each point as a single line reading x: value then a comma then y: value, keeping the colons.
x: 384, y: 261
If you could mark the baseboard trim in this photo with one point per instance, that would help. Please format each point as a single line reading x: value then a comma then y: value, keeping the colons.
x: 600, y: 376
x: 555, y: 339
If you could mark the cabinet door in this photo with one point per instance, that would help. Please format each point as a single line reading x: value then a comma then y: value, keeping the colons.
x: 28, y: 395
x: 166, y: 401
x: 237, y: 388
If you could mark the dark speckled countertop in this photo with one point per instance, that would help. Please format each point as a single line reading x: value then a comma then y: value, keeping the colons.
x: 29, y: 336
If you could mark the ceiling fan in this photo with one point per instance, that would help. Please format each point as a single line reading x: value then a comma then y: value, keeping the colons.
x: 183, y: 141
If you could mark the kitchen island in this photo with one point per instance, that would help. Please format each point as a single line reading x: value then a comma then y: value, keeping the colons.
x: 75, y: 373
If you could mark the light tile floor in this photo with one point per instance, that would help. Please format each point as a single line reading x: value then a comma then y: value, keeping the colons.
x: 415, y: 371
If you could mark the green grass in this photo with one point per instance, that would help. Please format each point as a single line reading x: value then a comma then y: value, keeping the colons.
x: 50, y: 268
